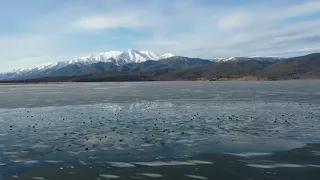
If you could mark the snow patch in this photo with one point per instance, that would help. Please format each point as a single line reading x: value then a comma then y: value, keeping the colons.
x: 196, y: 177
x: 152, y: 175
x: 109, y: 176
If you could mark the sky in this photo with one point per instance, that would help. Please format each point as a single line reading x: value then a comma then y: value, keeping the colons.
x: 34, y: 32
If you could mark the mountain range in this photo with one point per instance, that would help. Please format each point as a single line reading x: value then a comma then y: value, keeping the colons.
x: 142, y: 65
x: 115, y: 58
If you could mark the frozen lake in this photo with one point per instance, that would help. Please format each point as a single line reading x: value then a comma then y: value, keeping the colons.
x: 165, y: 130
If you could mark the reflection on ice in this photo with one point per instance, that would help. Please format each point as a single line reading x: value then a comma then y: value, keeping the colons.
x: 280, y: 166
x: 249, y: 154
x: 109, y: 176
x: 121, y: 164
x: 196, y: 177
x: 38, y: 178
x: 200, y: 162
x: 151, y: 175
x: 53, y: 161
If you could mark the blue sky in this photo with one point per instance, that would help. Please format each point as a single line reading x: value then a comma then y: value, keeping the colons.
x: 34, y: 32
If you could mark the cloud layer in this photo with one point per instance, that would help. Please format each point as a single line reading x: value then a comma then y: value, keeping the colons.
x: 59, y: 30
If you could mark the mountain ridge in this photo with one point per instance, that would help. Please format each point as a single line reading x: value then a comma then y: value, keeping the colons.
x: 124, y: 61
x: 302, y: 67
x: 116, y: 57
x: 129, y: 55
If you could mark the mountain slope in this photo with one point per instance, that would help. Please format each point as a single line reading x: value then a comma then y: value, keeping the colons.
x: 176, y: 62
x: 221, y: 69
x: 174, y: 68
x: 295, y: 68
x: 150, y: 65
x: 79, y: 69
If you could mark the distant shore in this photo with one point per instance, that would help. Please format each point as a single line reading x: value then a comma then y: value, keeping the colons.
x: 19, y: 83
x: 244, y: 79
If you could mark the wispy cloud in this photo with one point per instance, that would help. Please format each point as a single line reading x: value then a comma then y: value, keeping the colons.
x: 60, y: 30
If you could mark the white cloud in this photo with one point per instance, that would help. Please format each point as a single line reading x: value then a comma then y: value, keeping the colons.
x: 245, y: 32
x: 301, y: 9
x: 238, y: 20
x: 266, y: 16
x: 107, y: 22
x: 190, y: 28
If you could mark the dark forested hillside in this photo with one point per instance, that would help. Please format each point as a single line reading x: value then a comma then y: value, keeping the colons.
x: 295, y: 68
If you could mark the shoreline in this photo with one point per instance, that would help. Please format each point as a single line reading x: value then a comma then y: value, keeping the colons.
x: 34, y: 83
x: 222, y: 80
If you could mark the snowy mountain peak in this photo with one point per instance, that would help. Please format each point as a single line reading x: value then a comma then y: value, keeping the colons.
x: 116, y: 57
x: 129, y: 56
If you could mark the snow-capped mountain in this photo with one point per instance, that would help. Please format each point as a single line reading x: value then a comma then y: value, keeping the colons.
x: 246, y: 59
x: 129, y: 56
x: 117, y: 61
x: 116, y: 57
